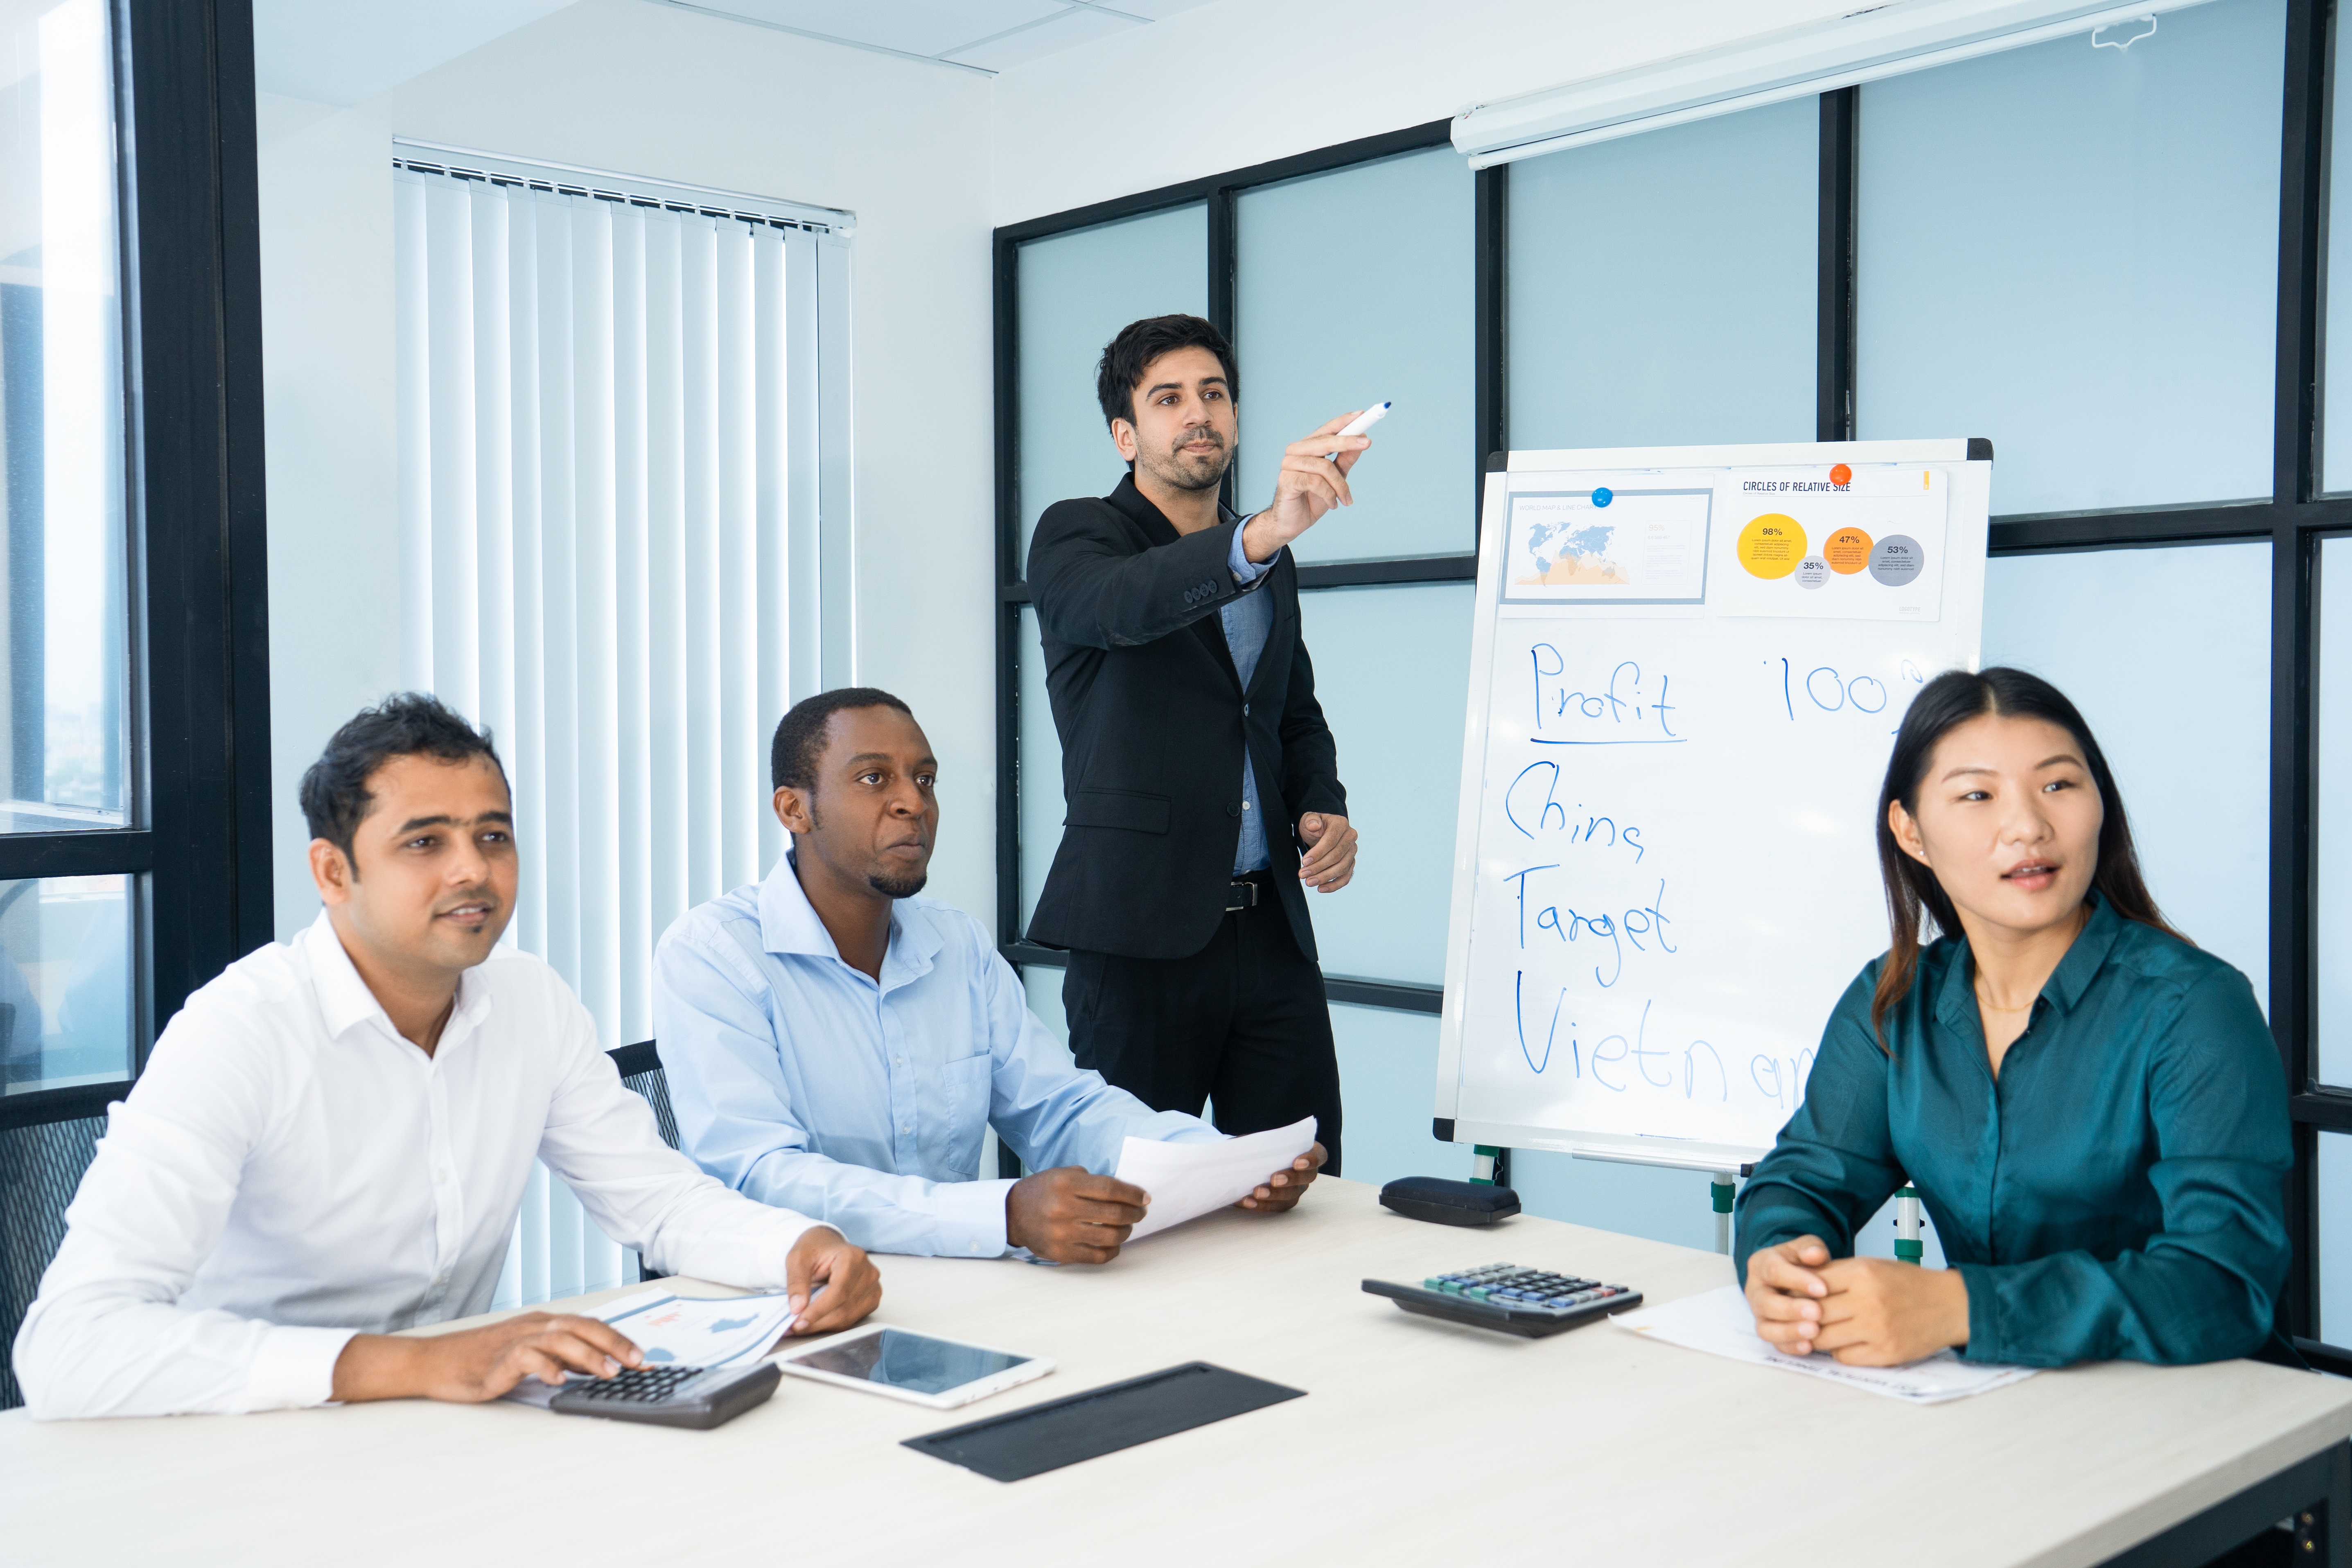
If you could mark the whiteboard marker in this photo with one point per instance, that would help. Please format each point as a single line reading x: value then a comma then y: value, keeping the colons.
x: 1358, y: 425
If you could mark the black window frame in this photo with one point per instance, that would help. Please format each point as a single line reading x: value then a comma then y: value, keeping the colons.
x: 199, y: 843
x: 2293, y: 519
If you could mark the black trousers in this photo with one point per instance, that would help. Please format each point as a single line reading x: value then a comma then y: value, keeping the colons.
x: 1242, y: 1022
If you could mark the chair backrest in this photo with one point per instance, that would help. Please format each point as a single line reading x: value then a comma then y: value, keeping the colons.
x: 40, y: 1167
x: 641, y: 1069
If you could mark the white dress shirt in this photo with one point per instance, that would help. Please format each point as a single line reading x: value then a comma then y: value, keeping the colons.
x: 288, y: 1171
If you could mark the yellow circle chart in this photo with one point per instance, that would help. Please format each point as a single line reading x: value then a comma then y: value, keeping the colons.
x: 1772, y: 545
x: 1847, y: 551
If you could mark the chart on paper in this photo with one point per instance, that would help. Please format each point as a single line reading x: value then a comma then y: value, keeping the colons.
x: 1688, y: 671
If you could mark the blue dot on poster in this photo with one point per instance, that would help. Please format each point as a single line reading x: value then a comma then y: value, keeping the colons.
x: 1604, y: 496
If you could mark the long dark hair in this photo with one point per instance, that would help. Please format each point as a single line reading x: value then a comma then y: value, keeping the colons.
x: 1949, y: 701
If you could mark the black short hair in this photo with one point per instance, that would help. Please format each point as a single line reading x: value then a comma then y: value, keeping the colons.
x: 335, y: 798
x: 1127, y: 357
x: 800, y: 735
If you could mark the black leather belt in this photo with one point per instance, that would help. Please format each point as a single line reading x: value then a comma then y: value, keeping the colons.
x: 1246, y: 892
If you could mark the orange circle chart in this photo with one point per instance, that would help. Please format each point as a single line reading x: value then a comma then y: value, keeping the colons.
x: 1771, y: 546
x: 1847, y: 551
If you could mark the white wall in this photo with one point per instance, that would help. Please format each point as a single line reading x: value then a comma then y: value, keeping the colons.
x: 648, y: 90
x: 1245, y: 81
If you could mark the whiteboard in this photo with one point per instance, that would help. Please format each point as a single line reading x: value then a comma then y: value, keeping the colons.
x: 1689, y: 665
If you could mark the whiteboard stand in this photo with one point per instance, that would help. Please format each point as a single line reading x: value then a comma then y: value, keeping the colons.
x: 1687, y: 666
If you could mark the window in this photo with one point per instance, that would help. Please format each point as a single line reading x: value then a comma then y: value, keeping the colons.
x: 612, y: 413
x: 106, y: 923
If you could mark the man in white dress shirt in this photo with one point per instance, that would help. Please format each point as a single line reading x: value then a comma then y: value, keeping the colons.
x: 331, y: 1140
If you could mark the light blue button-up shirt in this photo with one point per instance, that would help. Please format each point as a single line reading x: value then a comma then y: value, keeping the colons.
x: 800, y: 1081
x: 1247, y: 621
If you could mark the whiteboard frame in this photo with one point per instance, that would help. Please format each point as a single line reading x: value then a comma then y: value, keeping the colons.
x: 1967, y: 531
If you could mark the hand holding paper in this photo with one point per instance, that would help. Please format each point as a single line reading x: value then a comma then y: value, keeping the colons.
x: 1187, y: 1180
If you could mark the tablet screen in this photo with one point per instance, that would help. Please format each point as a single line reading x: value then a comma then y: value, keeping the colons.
x: 917, y: 1362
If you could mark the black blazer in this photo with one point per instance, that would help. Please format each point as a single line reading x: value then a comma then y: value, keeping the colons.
x: 1153, y: 718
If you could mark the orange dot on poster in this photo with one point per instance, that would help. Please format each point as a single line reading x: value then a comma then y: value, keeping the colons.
x: 1840, y: 475
x: 1847, y: 551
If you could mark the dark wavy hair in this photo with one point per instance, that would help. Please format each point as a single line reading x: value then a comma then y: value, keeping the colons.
x: 1949, y: 701
x: 1127, y: 357
x: 334, y: 791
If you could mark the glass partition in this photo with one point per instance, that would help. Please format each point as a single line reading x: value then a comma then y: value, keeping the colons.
x: 1632, y: 322
x: 1392, y: 672
x: 65, y: 982
x: 1350, y: 288
x: 2332, y: 874
x: 2074, y: 250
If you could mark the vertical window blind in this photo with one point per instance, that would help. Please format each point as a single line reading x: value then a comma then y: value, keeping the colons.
x: 610, y: 415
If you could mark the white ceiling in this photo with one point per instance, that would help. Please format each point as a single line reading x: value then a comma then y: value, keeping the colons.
x: 343, y: 51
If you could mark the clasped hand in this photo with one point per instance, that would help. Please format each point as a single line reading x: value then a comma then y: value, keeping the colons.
x: 1864, y: 1312
x: 1069, y: 1215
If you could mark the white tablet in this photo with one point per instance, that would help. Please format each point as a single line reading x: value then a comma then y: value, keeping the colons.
x: 942, y: 1373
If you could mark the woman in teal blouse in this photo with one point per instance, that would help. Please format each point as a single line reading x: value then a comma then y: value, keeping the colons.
x: 2092, y: 1108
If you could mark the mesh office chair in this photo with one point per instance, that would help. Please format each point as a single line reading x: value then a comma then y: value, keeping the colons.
x: 41, y: 1164
x: 641, y: 1069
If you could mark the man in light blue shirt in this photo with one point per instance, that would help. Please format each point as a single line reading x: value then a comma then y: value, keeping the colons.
x: 838, y: 1046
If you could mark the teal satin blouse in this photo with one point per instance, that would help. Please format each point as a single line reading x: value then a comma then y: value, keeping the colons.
x: 2119, y: 1191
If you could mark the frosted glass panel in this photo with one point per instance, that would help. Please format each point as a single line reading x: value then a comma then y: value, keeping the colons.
x: 2336, y: 348
x: 1392, y: 672
x: 2075, y: 251
x: 2166, y: 653
x: 65, y: 982
x: 1077, y: 291
x: 1041, y: 771
x: 2333, y: 954
x: 1350, y: 288
x: 1633, y: 321
x: 2336, y: 1238
x: 1388, y: 1081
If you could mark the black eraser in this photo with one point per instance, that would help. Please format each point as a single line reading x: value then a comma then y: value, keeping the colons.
x: 1441, y: 1202
x: 1980, y: 449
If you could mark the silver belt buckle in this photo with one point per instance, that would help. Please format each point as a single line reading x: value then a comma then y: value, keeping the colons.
x: 1246, y: 892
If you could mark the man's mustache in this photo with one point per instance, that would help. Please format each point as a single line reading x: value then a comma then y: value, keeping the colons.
x: 1211, y: 436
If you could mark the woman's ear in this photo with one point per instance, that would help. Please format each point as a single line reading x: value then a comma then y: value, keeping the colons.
x: 1905, y: 829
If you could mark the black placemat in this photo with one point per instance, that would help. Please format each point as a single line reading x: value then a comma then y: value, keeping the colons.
x: 1101, y: 1420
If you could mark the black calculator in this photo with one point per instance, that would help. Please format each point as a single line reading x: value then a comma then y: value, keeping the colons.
x: 1528, y: 1301
x: 697, y: 1397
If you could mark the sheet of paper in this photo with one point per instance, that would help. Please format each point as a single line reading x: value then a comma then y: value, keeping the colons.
x: 1720, y: 1323
x: 690, y: 1331
x: 1187, y: 1180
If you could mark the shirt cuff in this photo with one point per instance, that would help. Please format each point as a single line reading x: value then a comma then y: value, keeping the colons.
x: 295, y: 1367
x: 972, y: 1218
x: 1245, y: 570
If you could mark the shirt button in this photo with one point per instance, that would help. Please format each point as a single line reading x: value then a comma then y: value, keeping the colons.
x: 905, y: 1127
x: 898, y: 1061
x: 442, y: 1177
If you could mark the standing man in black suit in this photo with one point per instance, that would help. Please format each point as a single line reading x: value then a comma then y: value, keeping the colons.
x: 1202, y: 782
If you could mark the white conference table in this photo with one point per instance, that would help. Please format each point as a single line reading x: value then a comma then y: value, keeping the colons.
x: 1418, y: 1440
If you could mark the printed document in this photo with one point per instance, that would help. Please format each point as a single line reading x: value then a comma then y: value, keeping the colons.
x: 1719, y: 1322
x: 1187, y: 1180
x: 685, y: 1330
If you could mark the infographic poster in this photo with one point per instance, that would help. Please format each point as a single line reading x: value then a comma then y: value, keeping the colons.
x: 1639, y: 543
x: 1861, y: 544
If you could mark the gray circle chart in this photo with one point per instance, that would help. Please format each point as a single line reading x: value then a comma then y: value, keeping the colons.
x: 1813, y: 571
x: 1896, y: 559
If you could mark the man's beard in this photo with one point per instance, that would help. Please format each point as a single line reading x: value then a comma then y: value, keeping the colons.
x: 1178, y: 473
x: 896, y: 886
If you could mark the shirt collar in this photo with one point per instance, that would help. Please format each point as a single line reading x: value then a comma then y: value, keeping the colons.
x: 1153, y: 521
x: 345, y: 1001
x: 789, y: 924
x: 1957, y: 1000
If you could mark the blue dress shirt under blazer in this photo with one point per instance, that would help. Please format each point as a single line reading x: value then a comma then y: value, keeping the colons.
x: 801, y: 1082
x: 2117, y: 1192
